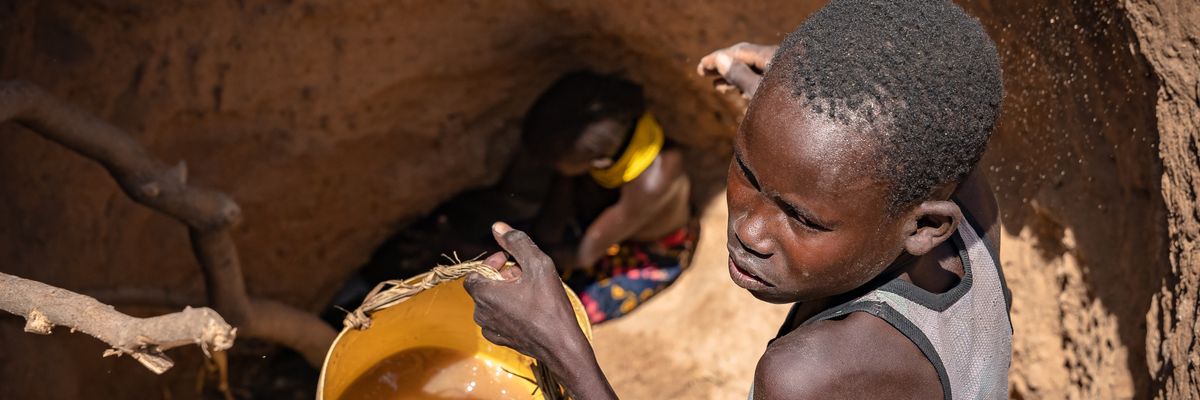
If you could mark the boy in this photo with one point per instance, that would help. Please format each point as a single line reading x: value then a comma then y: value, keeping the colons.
x: 852, y: 195
x: 615, y: 220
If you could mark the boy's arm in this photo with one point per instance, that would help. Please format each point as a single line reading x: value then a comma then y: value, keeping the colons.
x: 857, y: 357
x: 641, y: 201
x: 528, y: 311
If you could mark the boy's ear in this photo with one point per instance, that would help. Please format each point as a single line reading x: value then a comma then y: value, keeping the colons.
x: 929, y: 224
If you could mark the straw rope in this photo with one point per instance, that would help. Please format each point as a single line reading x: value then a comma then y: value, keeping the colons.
x: 393, y: 292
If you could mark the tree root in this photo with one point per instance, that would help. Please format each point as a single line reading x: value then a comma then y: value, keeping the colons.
x: 144, y: 339
x: 209, y: 215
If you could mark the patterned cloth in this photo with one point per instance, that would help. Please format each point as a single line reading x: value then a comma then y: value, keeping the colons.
x: 629, y: 274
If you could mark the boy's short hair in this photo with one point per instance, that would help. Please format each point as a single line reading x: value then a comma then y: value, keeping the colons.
x: 921, y: 76
x: 575, y: 101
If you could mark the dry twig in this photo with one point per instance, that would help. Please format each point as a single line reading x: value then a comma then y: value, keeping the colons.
x: 144, y: 339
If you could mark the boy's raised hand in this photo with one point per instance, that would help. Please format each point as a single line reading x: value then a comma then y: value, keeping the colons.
x: 528, y: 310
x: 737, y: 67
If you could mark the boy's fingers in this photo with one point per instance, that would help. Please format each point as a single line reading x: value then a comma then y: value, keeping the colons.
x: 723, y: 86
x: 496, y: 260
x: 745, y: 53
x: 499, y: 228
x: 481, y: 318
x: 752, y: 54
x: 715, y: 63
x: 474, y: 281
x: 732, y: 66
x: 706, y: 66
x: 723, y: 61
x: 719, y: 62
x: 744, y: 78
x: 494, y: 337
x: 517, y: 243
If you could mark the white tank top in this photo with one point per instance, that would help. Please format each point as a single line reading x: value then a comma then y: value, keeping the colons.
x: 965, y: 332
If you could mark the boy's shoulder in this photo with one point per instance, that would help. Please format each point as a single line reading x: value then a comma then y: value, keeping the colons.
x: 859, y: 356
x: 661, y: 177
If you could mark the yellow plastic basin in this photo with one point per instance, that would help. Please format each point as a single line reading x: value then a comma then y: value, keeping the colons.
x: 441, y: 317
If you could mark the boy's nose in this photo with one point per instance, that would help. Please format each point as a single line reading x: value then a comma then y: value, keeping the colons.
x: 751, y: 234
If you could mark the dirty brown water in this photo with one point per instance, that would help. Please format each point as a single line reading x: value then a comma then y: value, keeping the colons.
x: 434, y: 373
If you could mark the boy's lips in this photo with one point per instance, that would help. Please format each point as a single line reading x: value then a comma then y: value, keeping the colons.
x: 746, y: 278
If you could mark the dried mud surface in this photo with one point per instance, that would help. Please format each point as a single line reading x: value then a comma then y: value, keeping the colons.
x: 1172, y: 47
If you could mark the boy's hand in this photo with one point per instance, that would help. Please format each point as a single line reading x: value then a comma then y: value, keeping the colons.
x: 528, y: 310
x: 737, y: 67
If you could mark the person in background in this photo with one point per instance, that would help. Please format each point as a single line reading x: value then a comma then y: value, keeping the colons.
x: 616, y: 219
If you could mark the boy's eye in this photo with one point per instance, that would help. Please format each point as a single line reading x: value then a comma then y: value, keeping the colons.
x: 746, y: 172
x: 795, y: 214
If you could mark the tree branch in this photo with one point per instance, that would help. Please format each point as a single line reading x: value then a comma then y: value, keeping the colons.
x: 209, y: 214
x: 145, y: 339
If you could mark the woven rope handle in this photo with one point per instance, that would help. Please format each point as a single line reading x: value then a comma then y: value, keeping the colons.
x: 393, y: 292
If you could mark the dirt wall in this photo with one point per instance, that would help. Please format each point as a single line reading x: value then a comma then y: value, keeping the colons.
x: 335, y: 123
x: 1075, y: 166
x: 1169, y: 37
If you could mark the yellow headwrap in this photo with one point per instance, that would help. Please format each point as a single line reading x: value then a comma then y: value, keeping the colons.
x: 643, y: 148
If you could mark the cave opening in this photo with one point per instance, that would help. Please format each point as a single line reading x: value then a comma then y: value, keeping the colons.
x: 583, y: 124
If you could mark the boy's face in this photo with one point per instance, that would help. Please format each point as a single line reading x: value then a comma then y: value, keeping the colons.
x: 594, y: 148
x: 807, y: 218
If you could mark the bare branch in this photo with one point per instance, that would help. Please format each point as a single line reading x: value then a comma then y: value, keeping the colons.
x: 209, y: 214
x: 272, y: 319
x: 145, y: 339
